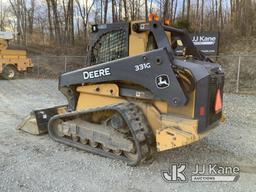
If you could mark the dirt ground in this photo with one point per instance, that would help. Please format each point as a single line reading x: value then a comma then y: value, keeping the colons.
x: 36, y: 163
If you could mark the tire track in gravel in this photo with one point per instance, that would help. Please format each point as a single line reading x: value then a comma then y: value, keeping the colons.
x: 28, y: 95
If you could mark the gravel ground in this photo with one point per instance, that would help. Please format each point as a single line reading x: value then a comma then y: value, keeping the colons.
x: 36, y: 163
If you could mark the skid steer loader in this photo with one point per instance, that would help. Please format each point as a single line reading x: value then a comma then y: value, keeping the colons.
x: 137, y: 96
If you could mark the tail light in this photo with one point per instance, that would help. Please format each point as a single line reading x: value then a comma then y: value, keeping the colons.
x: 202, y: 111
x: 218, y: 102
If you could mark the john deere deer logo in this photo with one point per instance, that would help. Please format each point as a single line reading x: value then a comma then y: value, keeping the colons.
x: 162, y: 81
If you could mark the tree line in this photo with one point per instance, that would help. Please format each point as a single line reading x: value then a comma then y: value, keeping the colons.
x: 66, y: 22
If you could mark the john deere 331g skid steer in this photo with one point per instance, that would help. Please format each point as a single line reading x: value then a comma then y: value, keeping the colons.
x: 137, y: 95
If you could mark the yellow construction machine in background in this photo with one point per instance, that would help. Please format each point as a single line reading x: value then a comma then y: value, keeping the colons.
x: 12, y: 62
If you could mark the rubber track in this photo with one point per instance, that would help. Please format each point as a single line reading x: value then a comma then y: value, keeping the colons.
x: 141, y: 132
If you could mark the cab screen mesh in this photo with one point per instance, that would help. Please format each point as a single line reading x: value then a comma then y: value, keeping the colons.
x: 109, y: 47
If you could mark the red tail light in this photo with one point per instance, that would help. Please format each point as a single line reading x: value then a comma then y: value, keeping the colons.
x: 218, y: 102
x: 202, y: 111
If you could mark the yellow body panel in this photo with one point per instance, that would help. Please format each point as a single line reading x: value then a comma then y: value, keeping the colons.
x: 17, y: 58
x: 137, y: 43
x: 102, y: 89
x: 15, y: 53
x: 152, y: 115
x: 22, y: 64
x: 186, y: 110
x: 176, y: 132
x: 169, y: 138
x: 3, y: 44
x: 89, y: 98
x: 171, y: 130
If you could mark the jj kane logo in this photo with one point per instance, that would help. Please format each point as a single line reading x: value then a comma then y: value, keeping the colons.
x: 202, y: 40
x: 176, y: 173
x: 162, y: 81
x: 202, y: 173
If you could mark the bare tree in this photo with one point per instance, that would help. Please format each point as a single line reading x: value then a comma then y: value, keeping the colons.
x: 68, y: 9
x: 202, y: 16
x: 17, y: 9
x: 84, y: 12
x: 50, y: 19
x: 146, y: 10
x: 183, y: 9
x: 166, y: 14
x: 188, y: 10
x: 197, y: 9
x: 114, y: 13
x: 220, y: 15
x: 30, y: 13
x: 4, y: 12
x: 125, y: 10
x: 151, y: 6
x: 105, y: 11
x: 175, y: 11
x: 56, y: 21
x: 216, y: 13
x: 171, y: 10
x: 120, y: 17
x: 231, y: 12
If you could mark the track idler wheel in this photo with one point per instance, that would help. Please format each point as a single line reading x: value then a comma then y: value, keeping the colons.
x: 106, y: 149
x: 117, y: 152
x: 118, y: 123
x: 93, y: 144
x: 131, y: 155
x: 75, y: 138
x: 84, y: 141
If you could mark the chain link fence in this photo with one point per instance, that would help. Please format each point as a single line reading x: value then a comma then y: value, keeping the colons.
x: 240, y: 70
x: 50, y: 67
